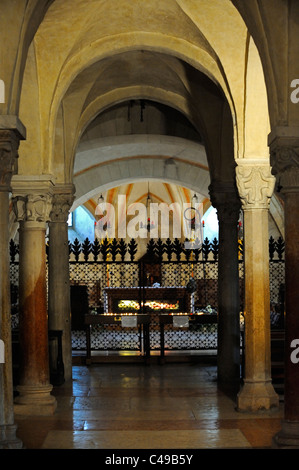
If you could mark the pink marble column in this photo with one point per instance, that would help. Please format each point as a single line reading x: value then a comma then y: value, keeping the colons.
x: 9, y: 142
x: 32, y: 202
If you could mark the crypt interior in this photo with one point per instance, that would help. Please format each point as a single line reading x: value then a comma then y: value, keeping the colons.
x: 119, y: 330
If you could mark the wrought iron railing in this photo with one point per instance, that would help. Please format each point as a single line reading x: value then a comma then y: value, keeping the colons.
x: 114, y: 263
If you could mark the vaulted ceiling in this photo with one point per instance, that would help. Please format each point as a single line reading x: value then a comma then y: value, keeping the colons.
x: 91, y: 68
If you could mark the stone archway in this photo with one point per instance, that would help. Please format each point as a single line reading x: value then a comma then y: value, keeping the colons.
x: 137, y: 157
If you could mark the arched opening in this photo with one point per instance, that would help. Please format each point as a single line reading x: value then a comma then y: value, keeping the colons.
x: 145, y: 133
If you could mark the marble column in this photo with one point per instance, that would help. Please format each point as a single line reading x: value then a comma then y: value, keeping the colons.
x: 59, y: 277
x: 225, y: 199
x: 285, y: 162
x: 256, y: 184
x: 9, y: 143
x: 32, y: 204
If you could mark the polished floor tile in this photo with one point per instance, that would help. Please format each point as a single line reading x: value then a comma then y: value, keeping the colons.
x: 134, y: 406
x: 199, y: 439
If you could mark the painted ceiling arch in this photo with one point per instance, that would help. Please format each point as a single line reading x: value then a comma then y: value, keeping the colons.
x: 173, y: 161
x: 168, y: 158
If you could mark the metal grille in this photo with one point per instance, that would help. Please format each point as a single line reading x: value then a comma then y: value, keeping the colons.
x: 277, y: 277
x: 89, y: 266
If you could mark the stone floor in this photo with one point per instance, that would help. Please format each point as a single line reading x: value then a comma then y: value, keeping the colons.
x: 137, y: 406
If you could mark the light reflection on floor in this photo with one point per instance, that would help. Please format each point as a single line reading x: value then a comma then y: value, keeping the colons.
x: 138, y: 406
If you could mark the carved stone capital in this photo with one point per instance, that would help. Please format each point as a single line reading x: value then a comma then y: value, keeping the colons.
x: 34, y: 208
x: 9, y: 144
x: 32, y: 199
x: 255, y: 184
x: 224, y: 197
x: 285, y: 163
x: 62, y: 201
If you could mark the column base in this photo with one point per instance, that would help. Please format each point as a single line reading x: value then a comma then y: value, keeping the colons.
x: 257, y: 396
x: 8, y: 438
x: 288, y: 437
x: 35, y: 400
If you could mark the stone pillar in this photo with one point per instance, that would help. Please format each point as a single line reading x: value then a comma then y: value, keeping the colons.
x: 256, y: 184
x: 285, y: 162
x: 59, y: 277
x: 32, y: 204
x: 9, y: 143
x: 225, y: 199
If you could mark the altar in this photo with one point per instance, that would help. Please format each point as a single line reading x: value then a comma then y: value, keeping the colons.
x: 147, y: 299
x: 155, y: 312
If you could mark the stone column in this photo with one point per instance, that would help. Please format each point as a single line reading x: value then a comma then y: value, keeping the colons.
x: 32, y: 204
x: 9, y: 143
x: 285, y: 161
x: 59, y: 276
x: 256, y: 183
x: 225, y: 199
